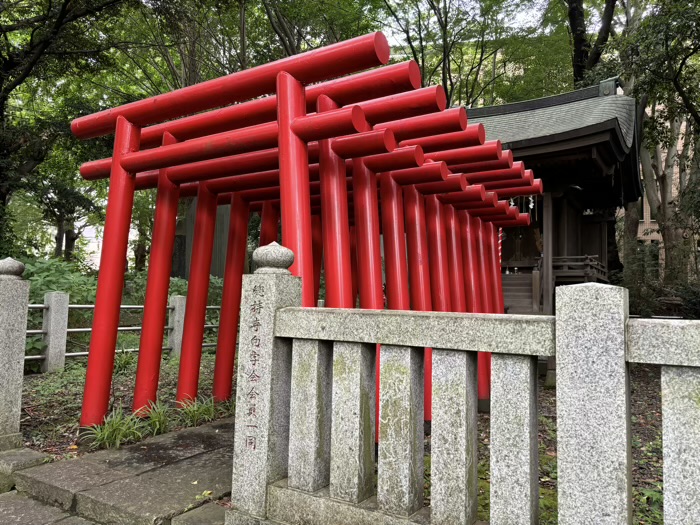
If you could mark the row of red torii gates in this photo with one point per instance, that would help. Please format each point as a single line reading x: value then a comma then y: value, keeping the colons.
x: 345, y: 164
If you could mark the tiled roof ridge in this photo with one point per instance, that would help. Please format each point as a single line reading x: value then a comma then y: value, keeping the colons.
x: 543, y: 102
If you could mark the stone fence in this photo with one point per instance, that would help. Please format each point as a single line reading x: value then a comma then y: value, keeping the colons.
x: 304, y: 449
x: 55, y: 329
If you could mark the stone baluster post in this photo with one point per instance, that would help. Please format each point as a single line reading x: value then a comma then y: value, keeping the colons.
x: 261, y: 440
x: 55, y: 324
x: 176, y: 323
x: 593, y: 426
x: 14, y: 299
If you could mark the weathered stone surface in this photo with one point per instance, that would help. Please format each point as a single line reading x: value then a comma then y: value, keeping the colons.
x: 178, y: 304
x: 292, y: 506
x: 10, y: 441
x: 17, y: 509
x: 14, y: 297
x: 261, y: 442
x: 167, y: 448
x: 273, y: 258
x: 75, y: 520
x: 11, y: 269
x: 209, y: 514
x: 55, y: 324
x: 663, y: 342
x: 310, y: 415
x: 593, y: 436
x: 353, y: 423
x: 58, y: 483
x: 514, y: 452
x: 159, y: 494
x: 454, y: 438
x: 400, y: 479
x: 680, y: 397
x: 506, y: 334
x: 17, y: 459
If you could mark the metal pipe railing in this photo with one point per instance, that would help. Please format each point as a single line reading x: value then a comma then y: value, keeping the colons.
x: 85, y: 330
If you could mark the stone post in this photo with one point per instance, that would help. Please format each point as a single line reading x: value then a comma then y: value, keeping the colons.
x: 514, y: 453
x: 14, y: 299
x: 310, y: 415
x: 353, y: 421
x: 55, y: 324
x: 455, y: 481
x: 680, y: 398
x: 177, y: 322
x: 593, y: 427
x: 261, y: 440
x: 401, y: 479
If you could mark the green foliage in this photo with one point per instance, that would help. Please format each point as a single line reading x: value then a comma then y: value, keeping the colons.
x: 118, y: 429
x: 125, y: 362
x: 56, y: 275
x: 648, y: 505
x: 195, y: 412
x: 160, y: 418
x: 226, y: 408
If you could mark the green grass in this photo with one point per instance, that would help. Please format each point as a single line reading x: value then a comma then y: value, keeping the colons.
x: 118, y: 429
x: 196, y: 412
x: 52, y: 404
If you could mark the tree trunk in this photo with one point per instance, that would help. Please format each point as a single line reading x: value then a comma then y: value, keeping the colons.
x: 7, y: 239
x: 72, y: 237
x: 629, y: 235
x: 579, y: 37
x: 676, y: 255
x: 60, y: 235
x: 141, y: 251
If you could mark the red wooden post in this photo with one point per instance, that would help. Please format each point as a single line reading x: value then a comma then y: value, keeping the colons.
x: 419, y: 275
x: 236, y: 251
x: 317, y: 249
x: 395, y: 265
x: 454, y: 260
x: 269, y: 223
x: 294, y: 184
x: 197, y: 293
x: 110, y: 281
x: 485, y: 280
x: 336, y: 229
x: 369, y: 262
x: 157, y: 284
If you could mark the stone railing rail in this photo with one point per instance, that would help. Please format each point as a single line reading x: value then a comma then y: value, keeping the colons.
x: 304, y: 447
x: 55, y: 330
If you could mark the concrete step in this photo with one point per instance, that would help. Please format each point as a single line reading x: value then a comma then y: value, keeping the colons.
x: 517, y: 293
x: 154, y: 481
x: 12, y: 461
x: 18, y: 509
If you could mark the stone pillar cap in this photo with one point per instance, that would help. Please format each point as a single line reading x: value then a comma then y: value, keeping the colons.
x: 273, y: 258
x: 11, y: 269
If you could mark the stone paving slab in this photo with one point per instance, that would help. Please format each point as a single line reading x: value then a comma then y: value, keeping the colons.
x: 58, y: 483
x: 18, y: 509
x: 166, y: 448
x: 159, y: 494
x: 209, y: 514
x: 17, y: 459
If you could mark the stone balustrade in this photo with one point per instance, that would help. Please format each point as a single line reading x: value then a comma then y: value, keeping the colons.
x: 305, y: 421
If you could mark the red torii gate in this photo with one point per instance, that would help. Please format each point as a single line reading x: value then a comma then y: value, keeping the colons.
x: 375, y: 138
